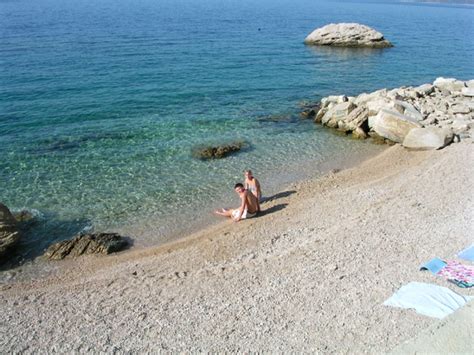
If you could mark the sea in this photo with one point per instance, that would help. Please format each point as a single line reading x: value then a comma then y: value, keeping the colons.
x: 102, y: 103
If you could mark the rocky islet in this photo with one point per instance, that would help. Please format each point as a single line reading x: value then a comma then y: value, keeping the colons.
x: 347, y: 35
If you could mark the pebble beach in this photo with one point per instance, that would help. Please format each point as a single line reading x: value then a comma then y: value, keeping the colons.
x: 308, y: 275
x: 124, y: 125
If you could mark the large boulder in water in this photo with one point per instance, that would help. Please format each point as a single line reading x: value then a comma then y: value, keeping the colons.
x: 9, y: 234
x: 100, y: 243
x: 347, y: 35
x: 217, y: 151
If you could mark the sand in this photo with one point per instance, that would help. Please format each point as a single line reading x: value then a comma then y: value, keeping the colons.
x: 309, y: 275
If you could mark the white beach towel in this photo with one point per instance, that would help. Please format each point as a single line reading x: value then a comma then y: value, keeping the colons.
x: 427, y: 299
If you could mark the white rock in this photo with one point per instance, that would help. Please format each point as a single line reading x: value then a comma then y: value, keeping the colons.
x: 347, y: 35
x: 374, y: 106
x: 470, y: 83
x: 468, y: 91
x: 338, y: 112
x: 356, y: 118
x: 460, y: 108
x: 371, y: 121
x: 449, y: 84
x: 427, y: 138
x: 461, y: 125
x: 425, y: 89
x: 393, y: 125
x: 409, y: 110
x: 364, y: 97
x: 430, y: 120
x: 337, y: 98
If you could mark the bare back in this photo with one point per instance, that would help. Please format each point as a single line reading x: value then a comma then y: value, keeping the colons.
x: 251, y: 202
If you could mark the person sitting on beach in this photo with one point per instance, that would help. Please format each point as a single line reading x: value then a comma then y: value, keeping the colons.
x: 253, y: 185
x: 248, y: 205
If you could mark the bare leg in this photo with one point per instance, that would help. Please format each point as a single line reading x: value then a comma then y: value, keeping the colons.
x: 224, y: 212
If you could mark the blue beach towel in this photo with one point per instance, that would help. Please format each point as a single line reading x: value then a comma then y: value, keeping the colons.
x: 427, y: 299
x: 434, y: 265
x: 467, y: 254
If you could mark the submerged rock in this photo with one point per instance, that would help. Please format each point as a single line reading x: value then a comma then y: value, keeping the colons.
x: 218, y: 151
x: 24, y: 215
x: 100, y: 243
x: 310, y: 111
x: 9, y: 234
x: 347, y: 35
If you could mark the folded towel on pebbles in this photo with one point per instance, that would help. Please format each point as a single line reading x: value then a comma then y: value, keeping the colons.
x: 427, y: 299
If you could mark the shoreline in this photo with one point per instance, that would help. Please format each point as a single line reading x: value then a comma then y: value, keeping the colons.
x: 294, y: 279
x: 142, y: 234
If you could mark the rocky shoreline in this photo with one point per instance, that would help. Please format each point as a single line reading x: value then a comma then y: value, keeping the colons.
x: 428, y: 116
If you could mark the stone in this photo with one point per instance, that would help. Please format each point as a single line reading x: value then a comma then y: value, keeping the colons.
x: 376, y: 139
x: 100, y: 243
x: 309, y: 112
x: 337, y: 99
x: 25, y: 216
x: 359, y: 133
x: 393, y: 125
x: 460, y: 108
x: 9, y: 234
x: 337, y: 113
x: 374, y: 106
x: 320, y: 114
x: 357, y: 118
x: 408, y: 93
x: 470, y: 84
x: 469, y: 92
x: 332, y: 123
x: 424, y: 90
x: 427, y: 138
x: 430, y: 120
x: 449, y: 84
x: 347, y: 35
x: 218, y: 151
x: 461, y: 125
x: 364, y: 97
x: 409, y: 110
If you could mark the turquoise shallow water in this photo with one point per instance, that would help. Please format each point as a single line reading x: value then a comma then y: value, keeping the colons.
x: 101, y: 102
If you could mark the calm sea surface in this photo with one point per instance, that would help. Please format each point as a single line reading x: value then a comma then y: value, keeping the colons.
x: 101, y: 102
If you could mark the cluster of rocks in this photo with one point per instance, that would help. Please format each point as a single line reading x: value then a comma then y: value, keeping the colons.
x: 217, y: 151
x: 429, y: 116
x: 100, y: 243
x: 9, y: 234
x: 347, y: 35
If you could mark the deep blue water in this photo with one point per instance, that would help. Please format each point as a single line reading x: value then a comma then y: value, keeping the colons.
x: 101, y: 102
